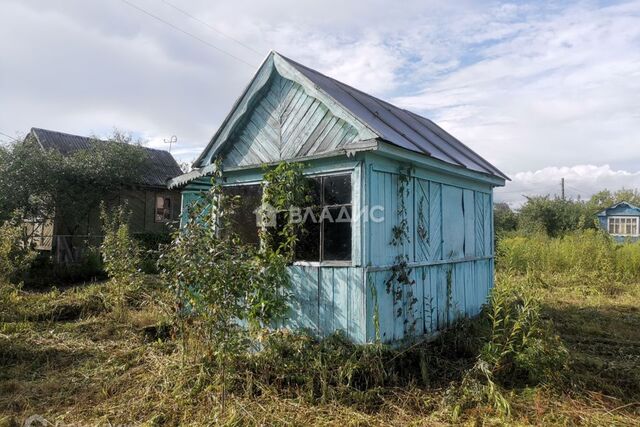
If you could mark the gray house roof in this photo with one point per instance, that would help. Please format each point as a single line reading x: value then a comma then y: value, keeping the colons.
x: 399, y: 126
x: 375, y: 119
x: 156, y: 171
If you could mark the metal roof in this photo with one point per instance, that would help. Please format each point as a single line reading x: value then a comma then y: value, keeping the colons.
x: 398, y: 126
x: 629, y: 205
x: 159, y: 167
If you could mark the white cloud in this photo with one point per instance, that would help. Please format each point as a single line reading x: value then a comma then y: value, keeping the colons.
x: 581, y: 181
x: 528, y: 85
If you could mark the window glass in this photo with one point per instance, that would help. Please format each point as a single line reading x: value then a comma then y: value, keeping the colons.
x: 337, y: 236
x: 308, y: 246
x: 337, y: 190
x: 623, y: 226
x: 327, y: 230
x: 244, y: 218
x: 163, y: 208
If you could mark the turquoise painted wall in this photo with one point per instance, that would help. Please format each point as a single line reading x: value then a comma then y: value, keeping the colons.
x: 449, y: 249
x: 450, y: 252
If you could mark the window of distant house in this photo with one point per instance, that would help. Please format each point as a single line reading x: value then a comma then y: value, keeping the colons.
x: 163, y: 208
x: 623, y: 226
x: 326, y: 234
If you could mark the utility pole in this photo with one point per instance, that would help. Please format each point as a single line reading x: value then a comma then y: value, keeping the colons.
x: 562, y: 188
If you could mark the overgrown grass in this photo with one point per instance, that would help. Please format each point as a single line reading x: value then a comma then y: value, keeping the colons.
x: 556, y: 346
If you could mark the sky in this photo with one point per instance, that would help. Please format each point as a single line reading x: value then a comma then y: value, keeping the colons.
x: 541, y: 90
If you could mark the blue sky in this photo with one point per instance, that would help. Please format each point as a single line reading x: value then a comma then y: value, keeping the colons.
x: 542, y: 90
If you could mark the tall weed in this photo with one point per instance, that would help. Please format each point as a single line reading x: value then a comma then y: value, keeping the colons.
x: 587, y: 255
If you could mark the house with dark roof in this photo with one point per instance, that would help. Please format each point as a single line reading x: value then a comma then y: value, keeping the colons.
x: 621, y: 221
x: 390, y: 169
x: 153, y: 206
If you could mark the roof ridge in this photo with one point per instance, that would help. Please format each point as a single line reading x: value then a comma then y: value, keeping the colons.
x: 337, y: 81
x: 471, y: 155
x: 91, y: 138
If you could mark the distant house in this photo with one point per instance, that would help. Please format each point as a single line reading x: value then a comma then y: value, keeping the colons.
x: 381, y: 162
x: 151, y: 203
x: 622, y: 221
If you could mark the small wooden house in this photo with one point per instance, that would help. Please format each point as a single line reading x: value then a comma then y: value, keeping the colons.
x: 386, y: 166
x: 151, y: 203
x: 621, y: 221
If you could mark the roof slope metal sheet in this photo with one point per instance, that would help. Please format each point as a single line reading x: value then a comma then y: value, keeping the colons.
x: 398, y: 126
x: 156, y: 171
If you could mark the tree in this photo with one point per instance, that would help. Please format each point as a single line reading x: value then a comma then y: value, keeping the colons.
x: 504, y: 218
x: 605, y: 198
x: 554, y: 216
x: 43, y: 183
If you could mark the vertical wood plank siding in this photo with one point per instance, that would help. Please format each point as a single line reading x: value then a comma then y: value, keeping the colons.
x: 451, y: 261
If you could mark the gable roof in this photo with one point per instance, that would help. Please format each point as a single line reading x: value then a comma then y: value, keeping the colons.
x: 156, y: 171
x: 399, y: 126
x: 617, y: 205
x: 374, y: 118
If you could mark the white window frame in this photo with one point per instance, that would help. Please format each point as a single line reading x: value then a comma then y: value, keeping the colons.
x: 634, y: 222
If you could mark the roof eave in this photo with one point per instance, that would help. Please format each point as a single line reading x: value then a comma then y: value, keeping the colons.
x: 390, y: 150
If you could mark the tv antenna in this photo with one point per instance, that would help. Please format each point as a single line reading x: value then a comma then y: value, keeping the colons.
x: 171, y: 141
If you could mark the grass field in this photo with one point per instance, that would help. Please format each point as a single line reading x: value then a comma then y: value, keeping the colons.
x: 73, y: 358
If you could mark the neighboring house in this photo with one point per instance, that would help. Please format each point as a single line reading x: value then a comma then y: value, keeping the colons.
x: 355, y: 147
x: 151, y: 203
x: 621, y: 221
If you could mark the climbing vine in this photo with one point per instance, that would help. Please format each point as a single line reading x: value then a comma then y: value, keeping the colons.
x: 422, y: 223
x: 284, y: 190
x: 400, y: 284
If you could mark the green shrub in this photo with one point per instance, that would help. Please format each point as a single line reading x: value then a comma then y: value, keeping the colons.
x: 15, y: 254
x: 150, y: 244
x: 120, y: 254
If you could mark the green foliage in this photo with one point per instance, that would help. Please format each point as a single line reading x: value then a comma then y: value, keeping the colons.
x: 400, y: 284
x: 284, y: 187
x: 15, y: 255
x: 591, y: 254
x: 554, y: 216
x: 37, y: 182
x: 120, y: 253
x: 504, y: 219
x: 220, y: 282
x: 607, y: 198
x: 150, y: 244
x: 521, y: 350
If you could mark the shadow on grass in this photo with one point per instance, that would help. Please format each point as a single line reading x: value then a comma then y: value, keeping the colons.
x: 604, y: 346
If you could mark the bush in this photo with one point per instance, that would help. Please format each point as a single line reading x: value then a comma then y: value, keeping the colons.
x: 120, y: 254
x: 150, y: 244
x: 15, y: 255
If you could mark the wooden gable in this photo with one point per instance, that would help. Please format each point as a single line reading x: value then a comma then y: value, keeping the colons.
x: 282, y: 115
x: 285, y: 122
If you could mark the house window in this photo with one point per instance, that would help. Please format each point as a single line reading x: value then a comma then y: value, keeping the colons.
x: 243, y: 218
x: 163, y: 208
x: 326, y: 233
x: 623, y: 226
